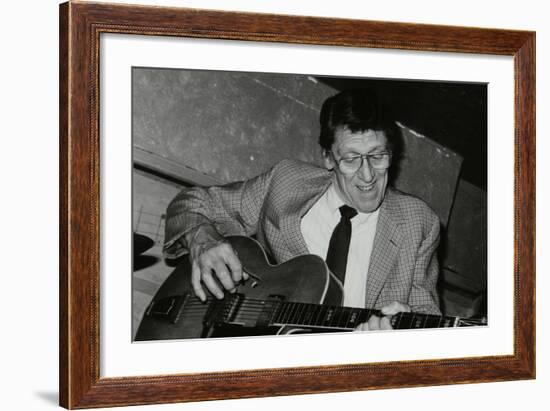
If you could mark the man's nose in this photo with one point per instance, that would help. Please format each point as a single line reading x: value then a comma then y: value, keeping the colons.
x: 365, y: 171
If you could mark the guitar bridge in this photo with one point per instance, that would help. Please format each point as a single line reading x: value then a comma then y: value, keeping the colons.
x: 237, y: 310
x: 224, y: 311
x: 231, y: 308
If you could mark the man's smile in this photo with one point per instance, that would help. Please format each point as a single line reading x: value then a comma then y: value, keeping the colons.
x: 366, y: 188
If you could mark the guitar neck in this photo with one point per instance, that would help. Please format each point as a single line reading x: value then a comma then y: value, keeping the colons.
x: 345, y: 318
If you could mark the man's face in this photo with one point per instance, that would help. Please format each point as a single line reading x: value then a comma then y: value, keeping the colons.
x: 365, y: 189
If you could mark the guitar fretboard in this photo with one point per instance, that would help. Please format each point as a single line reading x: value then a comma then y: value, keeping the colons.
x: 290, y: 313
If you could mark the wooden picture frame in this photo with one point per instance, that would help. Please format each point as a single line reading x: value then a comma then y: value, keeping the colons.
x: 80, y: 27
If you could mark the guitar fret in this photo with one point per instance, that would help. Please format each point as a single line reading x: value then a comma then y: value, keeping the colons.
x: 428, y: 322
x: 336, y: 315
x: 415, y: 321
x: 315, y: 317
x: 344, y: 317
x: 411, y: 317
x: 399, y: 319
x: 296, y: 315
x: 396, y: 320
x: 318, y: 310
x: 336, y: 312
x: 300, y: 314
x: 324, y: 312
x: 303, y: 313
x: 275, y: 307
x: 283, y: 313
x: 310, y: 314
x: 351, y: 319
x: 278, y: 313
x: 291, y: 313
x: 433, y: 321
x: 330, y: 316
x: 290, y: 319
x: 307, y: 314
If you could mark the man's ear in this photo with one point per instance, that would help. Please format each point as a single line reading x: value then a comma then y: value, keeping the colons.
x: 328, y: 160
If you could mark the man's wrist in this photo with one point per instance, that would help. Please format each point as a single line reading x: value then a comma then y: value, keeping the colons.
x: 201, y: 238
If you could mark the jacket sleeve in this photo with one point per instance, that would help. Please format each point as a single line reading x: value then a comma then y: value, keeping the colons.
x: 423, y: 297
x: 232, y: 209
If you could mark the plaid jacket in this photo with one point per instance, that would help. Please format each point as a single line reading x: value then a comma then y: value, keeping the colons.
x: 403, y: 265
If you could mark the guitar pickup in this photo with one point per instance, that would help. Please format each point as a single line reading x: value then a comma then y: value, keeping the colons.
x: 167, y: 308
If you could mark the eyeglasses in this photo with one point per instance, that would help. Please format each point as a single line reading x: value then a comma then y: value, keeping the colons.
x: 351, y: 164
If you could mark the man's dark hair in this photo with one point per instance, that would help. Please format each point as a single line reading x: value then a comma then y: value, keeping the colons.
x: 357, y: 110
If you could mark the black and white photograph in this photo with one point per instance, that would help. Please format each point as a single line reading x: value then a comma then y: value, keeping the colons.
x: 278, y: 204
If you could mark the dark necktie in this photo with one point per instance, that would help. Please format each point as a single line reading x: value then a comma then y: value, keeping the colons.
x: 338, y: 247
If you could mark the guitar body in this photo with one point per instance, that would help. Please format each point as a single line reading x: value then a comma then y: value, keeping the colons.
x: 304, y: 278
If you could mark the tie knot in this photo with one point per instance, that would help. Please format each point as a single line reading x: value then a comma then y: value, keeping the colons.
x: 348, y: 212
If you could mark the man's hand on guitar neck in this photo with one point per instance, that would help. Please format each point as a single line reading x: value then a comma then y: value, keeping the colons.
x: 384, y: 323
x: 214, y: 263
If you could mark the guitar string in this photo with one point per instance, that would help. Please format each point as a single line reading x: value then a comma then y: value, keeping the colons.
x: 250, y: 309
x: 253, y: 306
x: 341, y: 323
x: 296, y: 310
x: 320, y: 321
x: 253, y: 317
x: 253, y: 310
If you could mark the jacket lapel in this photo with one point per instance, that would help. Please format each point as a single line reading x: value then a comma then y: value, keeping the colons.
x: 302, y: 197
x: 387, y: 241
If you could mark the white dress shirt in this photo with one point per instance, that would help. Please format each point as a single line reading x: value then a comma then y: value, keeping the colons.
x: 317, y: 226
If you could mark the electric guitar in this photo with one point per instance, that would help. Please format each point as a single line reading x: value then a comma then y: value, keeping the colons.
x: 298, y: 296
